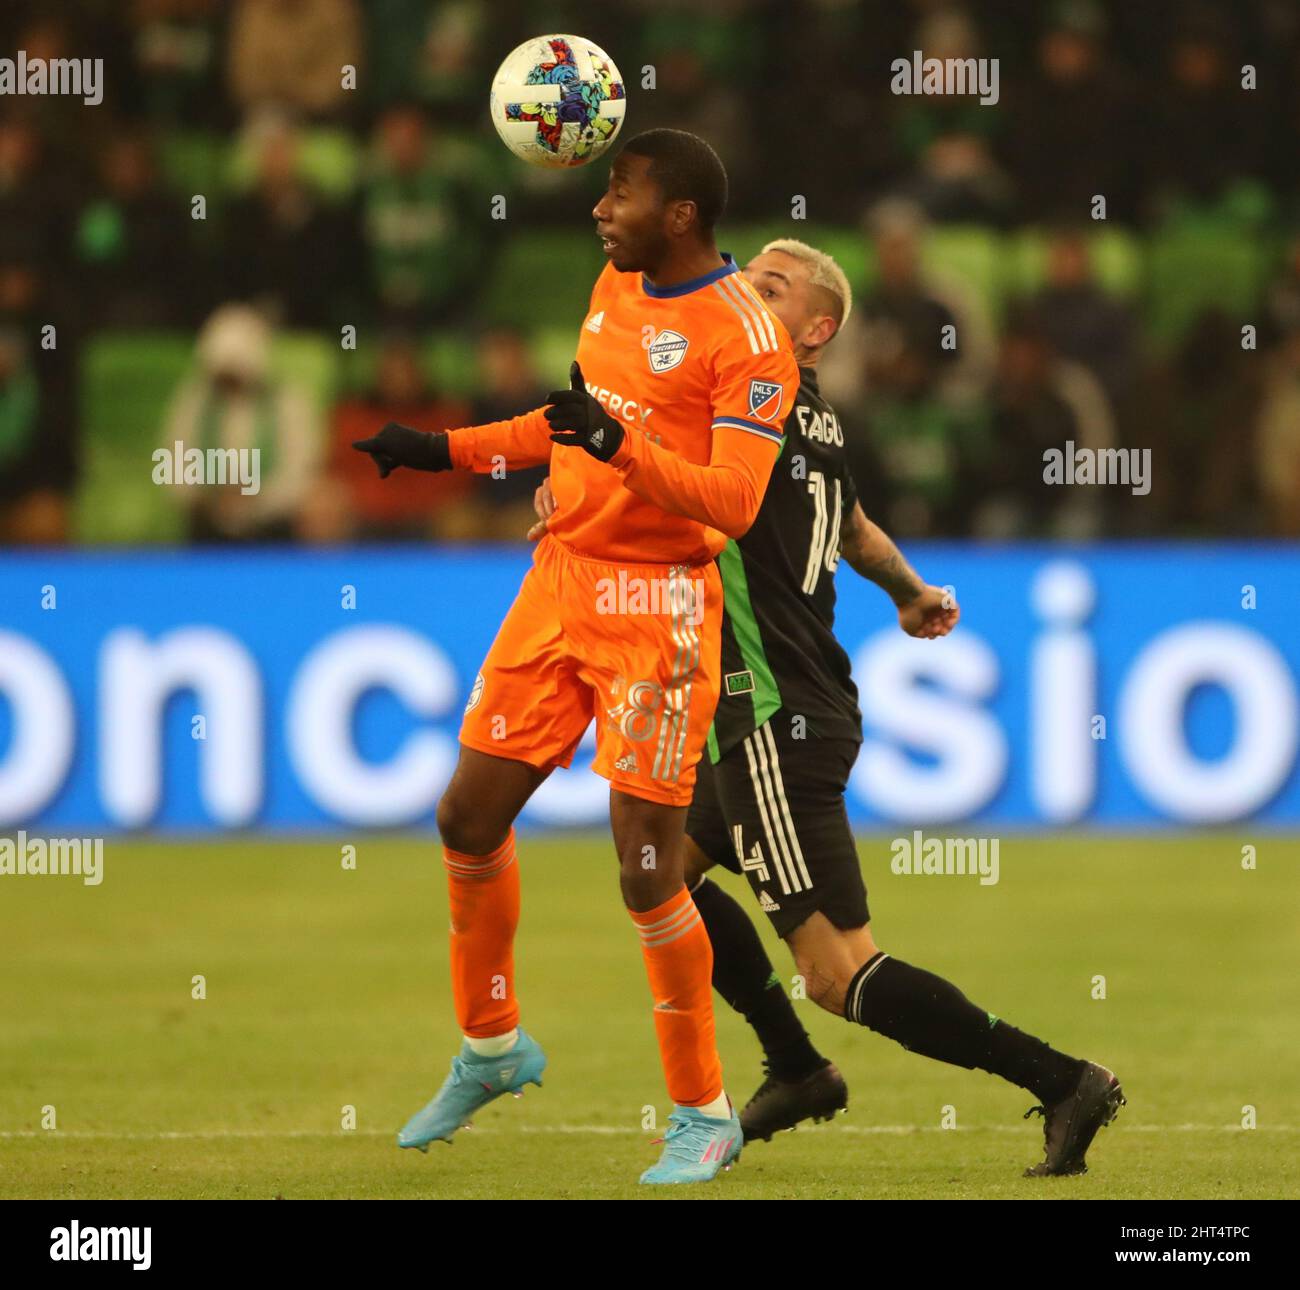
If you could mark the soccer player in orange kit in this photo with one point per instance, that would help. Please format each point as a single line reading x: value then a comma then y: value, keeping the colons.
x: 666, y: 440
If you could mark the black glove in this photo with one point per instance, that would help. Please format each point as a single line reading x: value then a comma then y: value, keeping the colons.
x: 578, y: 421
x: 398, y: 445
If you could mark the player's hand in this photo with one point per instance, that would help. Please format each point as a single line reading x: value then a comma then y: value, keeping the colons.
x: 932, y: 614
x: 398, y: 445
x: 578, y: 421
x: 544, y: 505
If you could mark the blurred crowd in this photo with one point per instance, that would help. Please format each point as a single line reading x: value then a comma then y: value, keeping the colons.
x: 236, y: 185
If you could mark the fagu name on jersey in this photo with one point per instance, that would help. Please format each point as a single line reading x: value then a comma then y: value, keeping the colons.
x: 821, y: 427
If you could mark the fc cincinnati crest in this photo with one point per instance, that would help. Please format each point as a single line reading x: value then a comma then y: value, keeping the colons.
x: 667, y: 350
x: 475, y: 694
x: 764, y: 399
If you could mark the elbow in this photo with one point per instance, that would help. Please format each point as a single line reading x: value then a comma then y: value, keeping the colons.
x: 740, y: 518
x: 737, y: 528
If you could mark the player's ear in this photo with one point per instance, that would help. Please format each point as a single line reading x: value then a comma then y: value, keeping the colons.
x: 822, y: 331
x: 682, y: 214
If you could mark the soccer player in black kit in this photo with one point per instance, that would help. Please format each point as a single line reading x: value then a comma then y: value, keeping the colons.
x: 769, y: 797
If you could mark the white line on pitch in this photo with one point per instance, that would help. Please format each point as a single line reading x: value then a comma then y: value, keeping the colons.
x: 596, y: 1129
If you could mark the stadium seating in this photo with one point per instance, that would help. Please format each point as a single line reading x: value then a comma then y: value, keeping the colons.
x: 127, y: 384
x: 128, y: 379
x: 970, y: 256
x: 1116, y: 259
x: 559, y: 268
x: 1197, y: 266
x: 194, y: 162
x: 449, y: 359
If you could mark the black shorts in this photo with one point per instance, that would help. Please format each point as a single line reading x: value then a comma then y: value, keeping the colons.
x: 773, y: 809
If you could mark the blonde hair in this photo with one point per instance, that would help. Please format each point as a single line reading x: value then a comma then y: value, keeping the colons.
x: 822, y: 271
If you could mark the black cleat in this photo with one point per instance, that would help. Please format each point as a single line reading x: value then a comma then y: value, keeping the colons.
x: 783, y: 1103
x: 1070, y: 1125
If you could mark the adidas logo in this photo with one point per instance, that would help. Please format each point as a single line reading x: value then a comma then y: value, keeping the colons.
x: 717, y: 1150
x: 506, y: 1074
x: 766, y: 903
x: 627, y: 762
x: 598, y: 437
x: 594, y: 322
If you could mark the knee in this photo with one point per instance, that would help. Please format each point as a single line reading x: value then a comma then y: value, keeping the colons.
x: 465, y: 829
x: 645, y: 887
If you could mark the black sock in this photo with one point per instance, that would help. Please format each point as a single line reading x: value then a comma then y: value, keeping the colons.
x: 929, y: 1015
x: 743, y: 976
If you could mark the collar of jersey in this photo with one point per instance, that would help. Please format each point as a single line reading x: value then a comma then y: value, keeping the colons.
x: 694, y: 284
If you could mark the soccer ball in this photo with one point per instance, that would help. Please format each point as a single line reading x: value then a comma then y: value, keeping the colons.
x: 558, y: 101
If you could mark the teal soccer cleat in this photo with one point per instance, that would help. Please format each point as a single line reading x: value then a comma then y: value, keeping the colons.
x: 696, y: 1147
x: 473, y: 1083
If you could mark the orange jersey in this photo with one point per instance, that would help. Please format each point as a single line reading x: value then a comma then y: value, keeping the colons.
x: 702, y: 376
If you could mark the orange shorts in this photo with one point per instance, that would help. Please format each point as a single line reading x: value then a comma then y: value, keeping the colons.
x: 638, y: 647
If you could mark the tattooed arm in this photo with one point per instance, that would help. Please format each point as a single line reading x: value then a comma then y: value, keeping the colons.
x: 871, y: 551
x: 922, y: 610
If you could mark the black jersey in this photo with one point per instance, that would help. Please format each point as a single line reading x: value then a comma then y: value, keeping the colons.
x: 779, y: 649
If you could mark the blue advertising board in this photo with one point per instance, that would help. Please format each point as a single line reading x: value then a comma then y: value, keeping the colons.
x: 1117, y: 686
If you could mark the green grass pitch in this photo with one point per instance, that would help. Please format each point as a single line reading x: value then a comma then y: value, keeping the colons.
x: 326, y: 988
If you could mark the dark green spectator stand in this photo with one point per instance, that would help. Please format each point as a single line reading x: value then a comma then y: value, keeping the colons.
x: 541, y: 283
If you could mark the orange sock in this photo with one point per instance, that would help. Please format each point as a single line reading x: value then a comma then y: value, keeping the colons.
x: 679, y: 963
x: 484, y: 893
